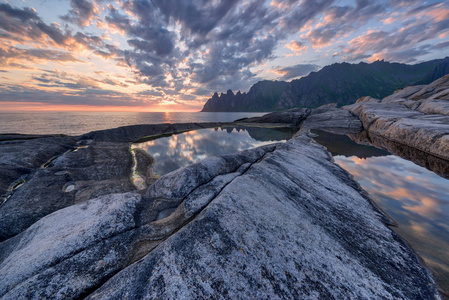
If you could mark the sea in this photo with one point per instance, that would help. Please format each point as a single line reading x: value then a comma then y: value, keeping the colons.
x: 77, y: 123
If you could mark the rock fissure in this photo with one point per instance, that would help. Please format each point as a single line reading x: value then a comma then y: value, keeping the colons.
x: 161, y: 239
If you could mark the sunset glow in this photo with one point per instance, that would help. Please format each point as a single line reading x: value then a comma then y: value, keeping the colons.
x: 152, y: 55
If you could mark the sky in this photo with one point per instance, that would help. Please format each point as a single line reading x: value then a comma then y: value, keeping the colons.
x: 172, y: 55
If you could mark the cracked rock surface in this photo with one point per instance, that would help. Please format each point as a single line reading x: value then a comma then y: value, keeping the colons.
x: 278, y: 221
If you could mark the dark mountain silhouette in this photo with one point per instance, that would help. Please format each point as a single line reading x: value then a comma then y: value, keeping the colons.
x: 340, y: 83
x: 438, y: 71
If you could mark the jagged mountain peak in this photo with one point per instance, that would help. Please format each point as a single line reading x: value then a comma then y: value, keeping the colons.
x: 342, y: 83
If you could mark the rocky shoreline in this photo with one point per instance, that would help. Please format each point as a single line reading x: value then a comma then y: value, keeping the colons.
x: 278, y: 221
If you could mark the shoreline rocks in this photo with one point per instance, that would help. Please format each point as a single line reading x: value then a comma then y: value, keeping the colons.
x: 416, y: 116
x: 276, y: 221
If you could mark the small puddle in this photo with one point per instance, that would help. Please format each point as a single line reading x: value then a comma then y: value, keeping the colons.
x: 416, y: 198
x: 180, y: 150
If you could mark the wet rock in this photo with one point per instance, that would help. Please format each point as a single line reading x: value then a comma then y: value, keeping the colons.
x: 22, y: 156
x: 279, y: 221
x: 345, y: 144
x: 99, y: 163
x: 144, y: 161
x: 416, y: 117
x: 300, y: 229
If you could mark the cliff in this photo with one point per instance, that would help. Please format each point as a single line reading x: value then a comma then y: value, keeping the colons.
x: 340, y: 83
x: 262, y: 96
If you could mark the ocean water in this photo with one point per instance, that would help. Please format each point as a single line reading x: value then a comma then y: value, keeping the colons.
x: 77, y: 123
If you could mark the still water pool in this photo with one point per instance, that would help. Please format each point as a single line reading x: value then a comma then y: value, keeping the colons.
x: 416, y: 198
x: 180, y: 150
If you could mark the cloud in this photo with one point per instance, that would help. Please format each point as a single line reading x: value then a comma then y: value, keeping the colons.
x: 197, y: 16
x: 424, y: 24
x: 23, y: 15
x: 342, y: 20
x: 296, y: 47
x: 82, y: 12
x: 25, y: 25
x: 295, y: 71
x: 199, y: 46
x: 86, y: 96
x: 9, y: 56
x: 222, y: 40
x: 442, y: 45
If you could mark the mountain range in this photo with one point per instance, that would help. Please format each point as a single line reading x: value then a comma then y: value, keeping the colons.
x: 340, y: 83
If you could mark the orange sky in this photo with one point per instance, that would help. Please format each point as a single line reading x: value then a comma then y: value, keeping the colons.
x: 172, y: 56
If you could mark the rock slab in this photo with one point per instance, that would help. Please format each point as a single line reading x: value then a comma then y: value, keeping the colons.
x: 417, y: 116
x: 279, y: 221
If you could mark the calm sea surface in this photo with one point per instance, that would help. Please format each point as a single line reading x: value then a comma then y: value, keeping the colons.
x: 76, y: 123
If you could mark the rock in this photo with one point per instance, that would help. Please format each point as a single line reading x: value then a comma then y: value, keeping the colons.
x: 133, y: 133
x: 416, y: 117
x: 332, y: 119
x: 430, y: 162
x: 64, y: 253
x: 293, y: 117
x: 102, y: 168
x: 340, y: 83
x: 279, y: 221
x: 21, y: 157
x: 262, y: 96
x: 144, y: 162
x: 292, y: 234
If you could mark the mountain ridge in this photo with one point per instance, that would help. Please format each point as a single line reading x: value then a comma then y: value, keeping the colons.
x: 340, y: 83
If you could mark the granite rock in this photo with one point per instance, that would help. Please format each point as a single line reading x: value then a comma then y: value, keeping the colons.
x: 293, y: 225
x: 330, y: 118
x: 416, y: 116
x: 72, y: 177
x: 292, y: 117
x: 278, y: 221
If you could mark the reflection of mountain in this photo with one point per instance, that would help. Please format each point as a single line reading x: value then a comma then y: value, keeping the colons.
x: 343, y: 145
x: 180, y: 150
x: 266, y: 134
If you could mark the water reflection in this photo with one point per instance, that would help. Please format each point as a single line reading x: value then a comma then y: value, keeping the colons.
x: 180, y: 150
x: 432, y: 163
x: 415, y: 197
